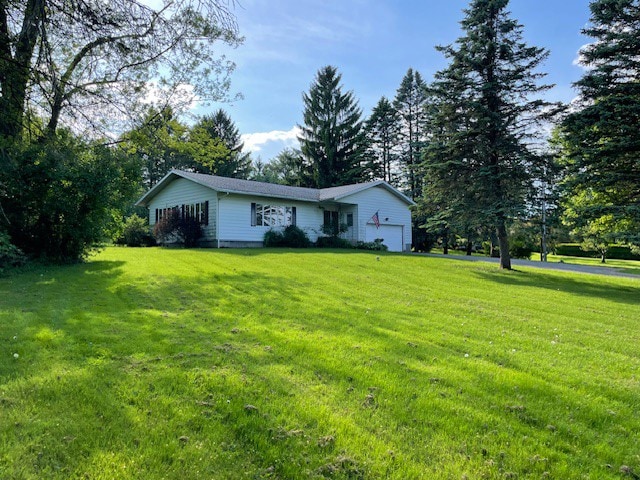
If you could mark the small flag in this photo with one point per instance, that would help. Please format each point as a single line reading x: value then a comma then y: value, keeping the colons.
x: 376, y: 219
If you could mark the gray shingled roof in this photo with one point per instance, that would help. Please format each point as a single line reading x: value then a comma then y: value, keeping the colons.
x: 236, y: 185
x: 249, y: 187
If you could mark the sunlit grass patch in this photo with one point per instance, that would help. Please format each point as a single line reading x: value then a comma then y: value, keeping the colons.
x: 152, y: 363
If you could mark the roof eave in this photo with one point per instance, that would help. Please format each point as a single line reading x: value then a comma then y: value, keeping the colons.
x: 382, y: 183
x: 144, y: 200
x: 268, y: 195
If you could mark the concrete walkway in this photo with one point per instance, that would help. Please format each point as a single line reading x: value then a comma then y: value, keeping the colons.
x: 566, y: 267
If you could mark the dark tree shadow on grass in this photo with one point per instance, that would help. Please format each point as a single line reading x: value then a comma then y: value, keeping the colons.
x: 587, y: 286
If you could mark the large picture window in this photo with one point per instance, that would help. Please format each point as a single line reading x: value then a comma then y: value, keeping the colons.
x: 263, y: 215
x: 196, y: 211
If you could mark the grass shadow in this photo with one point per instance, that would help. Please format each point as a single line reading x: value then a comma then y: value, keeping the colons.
x: 586, y: 286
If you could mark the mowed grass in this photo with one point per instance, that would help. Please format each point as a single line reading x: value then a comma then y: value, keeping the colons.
x: 193, y: 364
x: 626, y: 266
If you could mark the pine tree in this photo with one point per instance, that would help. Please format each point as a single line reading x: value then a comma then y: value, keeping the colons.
x: 410, y: 103
x: 217, y: 147
x: 382, y: 136
x: 478, y: 160
x: 331, y: 139
x: 602, y: 138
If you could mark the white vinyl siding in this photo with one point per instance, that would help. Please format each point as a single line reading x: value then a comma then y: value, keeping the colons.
x: 392, y: 236
x: 234, y: 217
x: 185, y: 192
x: 391, y: 211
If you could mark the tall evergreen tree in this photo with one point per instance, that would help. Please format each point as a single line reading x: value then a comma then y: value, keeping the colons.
x: 602, y: 137
x: 382, y: 136
x: 216, y: 147
x: 332, y: 139
x: 410, y: 103
x: 479, y: 158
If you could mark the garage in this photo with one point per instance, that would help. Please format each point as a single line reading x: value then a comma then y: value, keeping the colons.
x: 391, y: 235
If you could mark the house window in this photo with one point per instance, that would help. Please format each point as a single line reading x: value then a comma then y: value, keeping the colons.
x: 349, y: 219
x: 330, y: 219
x: 263, y: 215
x: 198, y: 211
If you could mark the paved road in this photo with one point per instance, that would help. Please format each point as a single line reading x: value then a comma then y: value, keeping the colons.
x: 566, y: 267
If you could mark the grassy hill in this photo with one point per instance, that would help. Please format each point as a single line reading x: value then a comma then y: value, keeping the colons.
x: 152, y: 363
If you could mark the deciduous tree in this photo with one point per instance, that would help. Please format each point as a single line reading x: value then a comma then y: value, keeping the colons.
x: 94, y: 63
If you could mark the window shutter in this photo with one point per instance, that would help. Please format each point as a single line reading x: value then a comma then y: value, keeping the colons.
x: 182, y: 211
x: 253, y: 214
x: 294, y: 221
x: 206, y: 212
x: 156, y: 215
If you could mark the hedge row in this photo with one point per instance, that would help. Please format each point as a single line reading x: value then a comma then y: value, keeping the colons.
x: 620, y: 252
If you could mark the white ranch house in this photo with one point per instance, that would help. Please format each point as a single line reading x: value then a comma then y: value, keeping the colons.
x: 237, y: 213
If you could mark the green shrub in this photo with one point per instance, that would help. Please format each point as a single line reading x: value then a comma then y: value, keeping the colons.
x: 10, y: 255
x: 520, y: 249
x: 174, y: 228
x: 376, y: 245
x: 135, y: 232
x: 295, y: 237
x: 273, y: 238
x: 291, y: 236
x: 619, y: 252
x: 333, y: 242
x: 62, y: 194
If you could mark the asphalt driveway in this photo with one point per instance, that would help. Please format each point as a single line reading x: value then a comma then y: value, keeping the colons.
x: 567, y: 267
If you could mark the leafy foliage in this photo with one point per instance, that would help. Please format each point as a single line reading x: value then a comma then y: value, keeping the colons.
x: 10, y: 255
x: 174, y: 228
x: 215, y: 147
x: 92, y: 63
x: 292, y: 236
x: 601, y: 148
x: 331, y: 138
x: 136, y: 232
x: 158, y: 142
x: 376, y: 245
x: 332, y: 242
x: 288, y: 168
x: 63, y: 194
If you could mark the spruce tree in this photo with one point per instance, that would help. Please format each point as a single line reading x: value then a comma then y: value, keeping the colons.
x: 601, y: 139
x: 382, y: 136
x: 216, y: 147
x: 479, y: 157
x: 331, y: 139
x: 410, y: 103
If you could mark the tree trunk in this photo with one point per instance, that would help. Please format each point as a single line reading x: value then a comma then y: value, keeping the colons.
x: 503, y: 241
x: 16, y: 71
x: 445, y: 242
x: 469, y: 247
x: 603, y: 256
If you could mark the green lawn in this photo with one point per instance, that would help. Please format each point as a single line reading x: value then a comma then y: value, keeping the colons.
x: 627, y: 266
x: 197, y: 364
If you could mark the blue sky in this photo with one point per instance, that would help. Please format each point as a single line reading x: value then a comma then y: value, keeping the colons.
x: 372, y: 43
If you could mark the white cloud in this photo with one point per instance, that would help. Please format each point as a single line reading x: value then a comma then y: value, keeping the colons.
x: 256, y: 142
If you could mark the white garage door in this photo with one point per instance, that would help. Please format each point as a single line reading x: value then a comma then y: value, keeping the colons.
x: 391, y: 235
